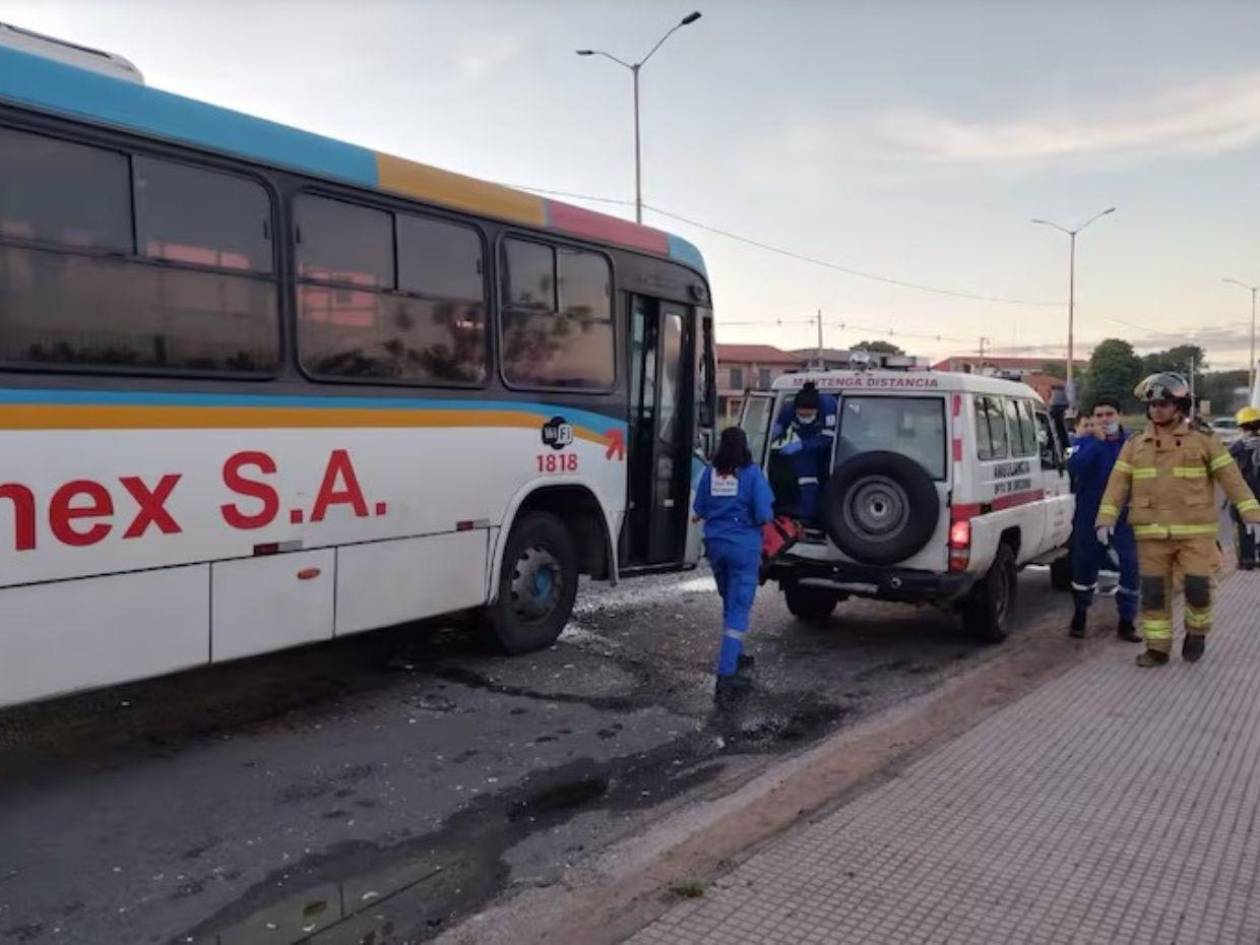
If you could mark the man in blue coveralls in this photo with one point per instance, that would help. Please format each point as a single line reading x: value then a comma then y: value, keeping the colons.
x: 805, y: 430
x: 1090, y: 466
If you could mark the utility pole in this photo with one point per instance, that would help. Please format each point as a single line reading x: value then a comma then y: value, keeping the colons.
x: 1194, y: 401
x: 821, y: 362
x: 983, y: 341
x: 1251, y: 366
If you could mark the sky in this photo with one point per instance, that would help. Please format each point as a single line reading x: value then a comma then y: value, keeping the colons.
x: 912, y: 141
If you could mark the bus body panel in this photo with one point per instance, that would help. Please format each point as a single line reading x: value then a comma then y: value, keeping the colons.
x: 58, y: 638
x: 263, y: 604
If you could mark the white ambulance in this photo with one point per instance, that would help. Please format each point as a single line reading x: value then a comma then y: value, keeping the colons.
x: 942, y: 486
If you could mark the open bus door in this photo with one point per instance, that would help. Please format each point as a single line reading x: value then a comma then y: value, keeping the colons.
x: 661, y: 436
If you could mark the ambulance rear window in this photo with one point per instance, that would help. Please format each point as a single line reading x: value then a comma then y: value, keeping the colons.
x: 911, y: 426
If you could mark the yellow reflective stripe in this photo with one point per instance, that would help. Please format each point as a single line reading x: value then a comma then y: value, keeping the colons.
x: 1190, y: 472
x: 1221, y: 462
x: 1178, y: 531
x: 1248, y: 505
x: 1123, y: 466
x: 1108, y: 509
x: 1198, y: 618
x: 1142, y: 531
x: 1145, y: 472
x: 1157, y: 629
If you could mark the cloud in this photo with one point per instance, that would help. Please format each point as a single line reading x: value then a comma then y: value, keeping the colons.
x: 490, y: 54
x: 1209, y: 117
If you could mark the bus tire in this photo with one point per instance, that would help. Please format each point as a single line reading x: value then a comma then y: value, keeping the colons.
x: 811, y: 605
x: 537, y: 584
x: 987, y: 610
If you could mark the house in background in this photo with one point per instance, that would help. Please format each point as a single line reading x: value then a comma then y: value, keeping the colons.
x: 748, y: 367
x: 1027, y: 370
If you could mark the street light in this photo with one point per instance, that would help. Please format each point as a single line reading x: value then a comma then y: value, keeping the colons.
x: 634, y: 68
x: 1071, y: 349
x: 1251, y: 365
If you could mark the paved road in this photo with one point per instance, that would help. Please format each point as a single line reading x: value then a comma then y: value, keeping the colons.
x: 404, y: 779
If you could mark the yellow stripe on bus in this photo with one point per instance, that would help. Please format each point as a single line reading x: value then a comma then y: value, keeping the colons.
x: 111, y: 417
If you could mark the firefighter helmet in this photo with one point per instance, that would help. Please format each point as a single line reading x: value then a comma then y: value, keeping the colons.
x: 1164, y: 386
x: 1248, y: 416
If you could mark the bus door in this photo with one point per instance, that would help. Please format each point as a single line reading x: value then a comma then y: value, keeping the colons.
x: 661, y: 434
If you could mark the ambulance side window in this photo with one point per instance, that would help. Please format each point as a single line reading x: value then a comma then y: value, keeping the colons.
x: 1047, y: 443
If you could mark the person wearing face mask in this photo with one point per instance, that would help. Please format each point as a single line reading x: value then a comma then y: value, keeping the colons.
x: 805, y: 431
x: 1167, y: 476
x: 1246, y: 453
x: 1090, y: 465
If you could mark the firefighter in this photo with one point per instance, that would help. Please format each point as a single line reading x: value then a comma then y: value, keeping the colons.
x: 1167, y: 477
x: 1246, y: 453
x: 805, y: 430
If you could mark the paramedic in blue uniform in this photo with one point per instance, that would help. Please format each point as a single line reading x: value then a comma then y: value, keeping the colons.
x: 806, y: 430
x: 734, y: 500
x: 1093, y: 456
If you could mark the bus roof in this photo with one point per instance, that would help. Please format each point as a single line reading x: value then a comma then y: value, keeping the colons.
x: 843, y: 382
x: 38, y: 82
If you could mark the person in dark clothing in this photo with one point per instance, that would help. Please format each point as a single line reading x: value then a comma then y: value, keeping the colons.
x: 805, y: 431
x: 1090, y: 464
x: 734, y: 500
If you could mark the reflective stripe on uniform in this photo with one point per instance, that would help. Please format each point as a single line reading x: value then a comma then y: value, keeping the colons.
x: 1221, y: 462
x: 1145, y: 472
x: 1172, y: 531
x: 1190, y: 472
x: 1198, y: 618
x: 1156, y: 629
x: 1084, y: 587
x: 735, y: 634
x: 1108, y: 509
x: 807, y: 480
x: 1123, y: 467
x: 1248, y: 505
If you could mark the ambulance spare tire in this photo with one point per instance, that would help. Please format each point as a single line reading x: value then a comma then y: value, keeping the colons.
x: 880, y: 507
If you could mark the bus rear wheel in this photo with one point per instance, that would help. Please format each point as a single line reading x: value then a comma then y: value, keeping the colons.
x: 537, y: 584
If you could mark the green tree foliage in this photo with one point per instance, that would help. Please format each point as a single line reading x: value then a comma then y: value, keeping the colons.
x: 878, y: 347
x: 1219, y: 387
x: 1177, y: 360
x: 1114, y: 370
x: 1054, y: 369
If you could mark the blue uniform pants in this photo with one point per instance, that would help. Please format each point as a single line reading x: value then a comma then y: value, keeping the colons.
x: 1088, y: 556
x: 810, y: 465
x: 735, y: 565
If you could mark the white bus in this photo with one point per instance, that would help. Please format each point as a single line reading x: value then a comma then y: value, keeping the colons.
x: 260, y: 388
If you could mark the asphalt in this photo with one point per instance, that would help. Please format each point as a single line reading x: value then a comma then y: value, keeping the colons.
x: 384, y: 787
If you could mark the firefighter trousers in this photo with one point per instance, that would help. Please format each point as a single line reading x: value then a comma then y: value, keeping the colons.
x: 1160, y: 561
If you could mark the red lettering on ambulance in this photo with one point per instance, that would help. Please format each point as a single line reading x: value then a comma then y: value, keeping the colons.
x: 62, y: 512
x: 152, y: 505
x: 339, y: 467
x: 23, y: 514
x: 250, y: 488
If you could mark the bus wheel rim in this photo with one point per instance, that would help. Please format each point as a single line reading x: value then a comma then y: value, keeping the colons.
x: 536, y: 583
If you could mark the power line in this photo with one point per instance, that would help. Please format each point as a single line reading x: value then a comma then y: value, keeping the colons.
x: 801, y: 257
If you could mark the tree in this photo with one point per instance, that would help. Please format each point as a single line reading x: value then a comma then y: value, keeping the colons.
x: 1176, y: 360
x: 1054, y: 369
x: 878, y: 347
x: 1114, y: 370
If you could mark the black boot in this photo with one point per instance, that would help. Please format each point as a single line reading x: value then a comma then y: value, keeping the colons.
x: 745, y: 665
x: 1078, y: 624
x: 730, y: 689
x: 1126, y: 631
x: 1149, y: 658
x: 1192, y: 647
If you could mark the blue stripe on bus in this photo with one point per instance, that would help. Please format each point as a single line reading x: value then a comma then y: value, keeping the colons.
x: 27, y: 396
x: 34, y: 80
x: 685, y: 252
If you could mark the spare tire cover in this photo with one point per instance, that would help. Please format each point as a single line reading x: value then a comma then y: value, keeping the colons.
x: 880, y: 507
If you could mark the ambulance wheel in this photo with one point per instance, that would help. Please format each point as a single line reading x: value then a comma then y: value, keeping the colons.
x: 813, y: 605
x: 537, y: 584
x: 1061, y: 573
x: 987, y: 610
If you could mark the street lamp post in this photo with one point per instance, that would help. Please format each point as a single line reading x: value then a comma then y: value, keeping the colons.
x: 634, y: 68
x: 1251, y: 364
x: 1071, y: 345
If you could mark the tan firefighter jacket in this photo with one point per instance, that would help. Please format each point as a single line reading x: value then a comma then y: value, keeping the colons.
x: 1167, y: 477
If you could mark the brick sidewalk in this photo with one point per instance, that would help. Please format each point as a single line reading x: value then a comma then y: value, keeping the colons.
x: 1111, y: 805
